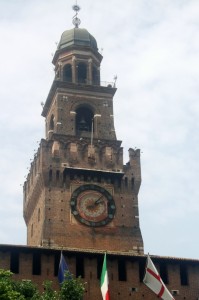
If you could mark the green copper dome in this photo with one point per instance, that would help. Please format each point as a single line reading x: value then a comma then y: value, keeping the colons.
x: 77, y: 37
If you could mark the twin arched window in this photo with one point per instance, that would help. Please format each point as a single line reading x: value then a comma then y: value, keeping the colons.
x: 82, y: 76
x: 81, y: 73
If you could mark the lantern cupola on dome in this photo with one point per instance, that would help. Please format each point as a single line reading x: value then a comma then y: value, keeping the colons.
x: 77, y: 59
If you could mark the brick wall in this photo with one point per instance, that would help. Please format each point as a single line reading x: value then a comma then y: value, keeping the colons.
x: 125, y: 271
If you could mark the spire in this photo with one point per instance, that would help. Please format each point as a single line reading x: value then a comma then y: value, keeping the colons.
x: 76, y: 20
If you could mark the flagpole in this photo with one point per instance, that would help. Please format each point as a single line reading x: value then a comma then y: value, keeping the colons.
x: 146, y: 264
x: 104, y: 282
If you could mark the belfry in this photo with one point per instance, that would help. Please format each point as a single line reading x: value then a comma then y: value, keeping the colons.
x: 78, y: 193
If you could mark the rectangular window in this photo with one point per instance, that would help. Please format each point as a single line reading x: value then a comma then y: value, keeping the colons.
x: 121, y: 270
x: 183, y: 274
x: 99, y: 266
x: 80, y: 266
x: 36, y: 264
x: 164, y: 272
x: 14, y: 262
x: 142, y: 264
x: 56, y: 263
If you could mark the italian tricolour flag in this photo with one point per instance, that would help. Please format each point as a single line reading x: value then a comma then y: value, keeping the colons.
x: 104, y: 281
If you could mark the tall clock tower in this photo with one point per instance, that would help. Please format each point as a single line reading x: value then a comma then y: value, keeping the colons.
x: 78, y: 193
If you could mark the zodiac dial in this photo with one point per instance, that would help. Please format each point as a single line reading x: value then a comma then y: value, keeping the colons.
x: 92, y: 205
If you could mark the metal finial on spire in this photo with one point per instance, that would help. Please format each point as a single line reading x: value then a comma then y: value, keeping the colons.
x: 76, y: 20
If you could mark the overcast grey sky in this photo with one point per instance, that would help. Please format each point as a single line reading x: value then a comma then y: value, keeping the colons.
x: 153, y: 47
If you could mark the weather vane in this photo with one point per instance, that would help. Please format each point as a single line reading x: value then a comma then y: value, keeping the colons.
x: 76, y: 20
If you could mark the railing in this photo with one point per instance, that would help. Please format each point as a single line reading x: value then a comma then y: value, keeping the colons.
x: 95, y: 83
x: 107, y: 84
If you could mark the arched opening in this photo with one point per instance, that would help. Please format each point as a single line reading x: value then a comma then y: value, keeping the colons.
x: 51, y: 126
x: 84, y: 119
x: 67, y: 73
x: 82, y: 73
x: 95, y: 76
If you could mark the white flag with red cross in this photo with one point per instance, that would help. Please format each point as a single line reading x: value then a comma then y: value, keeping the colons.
x: 153, y: 280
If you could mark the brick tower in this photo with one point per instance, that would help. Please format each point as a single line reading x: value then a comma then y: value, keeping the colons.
x: 78, y: 193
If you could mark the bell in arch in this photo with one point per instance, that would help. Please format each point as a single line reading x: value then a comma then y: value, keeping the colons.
x: 83, y: 125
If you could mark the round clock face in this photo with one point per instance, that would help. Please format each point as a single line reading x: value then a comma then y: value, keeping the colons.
x: 92, y: 205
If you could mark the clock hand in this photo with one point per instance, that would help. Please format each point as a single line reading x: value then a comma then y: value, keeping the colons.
x: 99, y: 200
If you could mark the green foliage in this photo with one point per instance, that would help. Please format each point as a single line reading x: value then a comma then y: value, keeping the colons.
x: 6, y: 287
x: 71, y: 288
x: 26, y: 288
x: 4, y: 274
x: 49, y: 293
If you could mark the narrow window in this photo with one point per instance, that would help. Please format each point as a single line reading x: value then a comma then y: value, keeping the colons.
x: 56, y: 263
x: 121, y: 270
x: 184, y: 274
x: 14, y: 262
x: 164, y: 272
x: 99, y: 266
x: 79, y: 266
x: 142, y: 264
x: 36, y: 264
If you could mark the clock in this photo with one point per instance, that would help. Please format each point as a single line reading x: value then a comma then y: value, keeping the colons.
x: 92, y: 205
